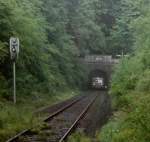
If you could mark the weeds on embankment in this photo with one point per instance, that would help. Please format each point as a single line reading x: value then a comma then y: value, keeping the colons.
x: 15, y: 118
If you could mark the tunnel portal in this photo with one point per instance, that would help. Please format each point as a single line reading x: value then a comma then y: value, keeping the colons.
x: 99, y: 66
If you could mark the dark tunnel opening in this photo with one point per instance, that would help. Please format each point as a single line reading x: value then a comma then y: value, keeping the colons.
x: 97, y: 73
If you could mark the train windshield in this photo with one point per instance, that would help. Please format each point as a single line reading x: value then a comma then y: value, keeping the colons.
x: 98, y: 80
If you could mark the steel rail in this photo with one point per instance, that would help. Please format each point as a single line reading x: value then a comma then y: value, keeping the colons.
x: 77, y: 120
x: 18, y: 135
x: 46, y: 119
x: 62, y: 109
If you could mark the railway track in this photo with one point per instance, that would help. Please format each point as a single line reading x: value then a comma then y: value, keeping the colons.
x: 60, y: 124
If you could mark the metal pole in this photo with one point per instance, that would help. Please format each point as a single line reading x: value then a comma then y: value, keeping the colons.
x: 122, y: 54
x: 14, y: 82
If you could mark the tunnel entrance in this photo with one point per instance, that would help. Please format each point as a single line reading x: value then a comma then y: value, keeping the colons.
x: 97, y: 73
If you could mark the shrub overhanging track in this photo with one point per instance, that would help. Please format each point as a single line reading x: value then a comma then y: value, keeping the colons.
x: 59, y: 125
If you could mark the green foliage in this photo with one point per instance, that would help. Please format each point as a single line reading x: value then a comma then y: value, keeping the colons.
x: 131, y: 126
x: 79, y: 137
x: 4, y: 85
x: 143, y: 85
x: 90, y: 24
x: 110, y: 131
x: 12, y: 120
x: 131, y: 83
x: 47, y: 60
x: 52, y: 34
x: 15, y: 118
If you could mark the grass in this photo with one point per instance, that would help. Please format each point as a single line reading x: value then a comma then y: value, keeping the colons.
x: 15, y: 118
x: 79, y: 137
x: 129, y: 124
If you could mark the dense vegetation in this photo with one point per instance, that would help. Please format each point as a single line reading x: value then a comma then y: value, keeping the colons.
x: 131, y: 81
x: 130, y: 88
x: 47, y: 60
x: 53, y: 33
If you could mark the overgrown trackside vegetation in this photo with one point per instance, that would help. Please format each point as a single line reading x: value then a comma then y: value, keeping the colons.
x: 46, y: 62
x: 131, y: 81
x: 24, y: 115
x: 53, y: 33
x: 130, y: 87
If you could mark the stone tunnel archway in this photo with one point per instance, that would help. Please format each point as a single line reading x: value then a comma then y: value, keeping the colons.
x: 100, y: 65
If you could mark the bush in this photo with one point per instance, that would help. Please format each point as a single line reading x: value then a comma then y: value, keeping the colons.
x: 79, y: 137
x: 132, y: 126
x: 3, y: 86
x: 143, y: 84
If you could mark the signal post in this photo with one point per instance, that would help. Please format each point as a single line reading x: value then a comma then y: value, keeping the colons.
x: 14, y: 52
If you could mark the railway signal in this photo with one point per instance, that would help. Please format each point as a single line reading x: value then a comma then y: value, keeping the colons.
x: 14, y: 52
x: 14, y: 48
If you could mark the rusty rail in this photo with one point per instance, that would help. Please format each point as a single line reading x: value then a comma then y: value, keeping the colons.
x: 46, y: 119
x: 77, y: 120
x: 55, y: 114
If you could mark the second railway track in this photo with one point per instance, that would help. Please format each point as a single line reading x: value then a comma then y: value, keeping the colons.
x: 59, y: 125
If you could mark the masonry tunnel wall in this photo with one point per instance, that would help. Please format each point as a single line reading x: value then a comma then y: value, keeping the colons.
x: 98, y: 68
